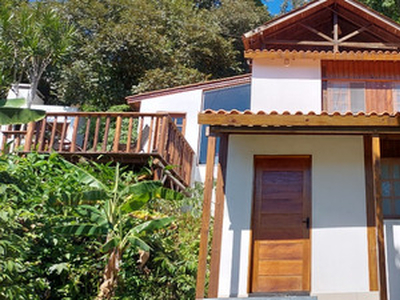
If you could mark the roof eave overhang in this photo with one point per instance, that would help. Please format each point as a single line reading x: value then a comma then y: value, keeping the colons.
x: 235, y: 123
x: 324, y: 55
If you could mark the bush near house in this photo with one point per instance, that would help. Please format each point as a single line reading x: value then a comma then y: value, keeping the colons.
x: 40, y: 193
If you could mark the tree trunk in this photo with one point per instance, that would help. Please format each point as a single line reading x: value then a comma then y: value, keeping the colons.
x: 110, y: 276
x: 32, y: 91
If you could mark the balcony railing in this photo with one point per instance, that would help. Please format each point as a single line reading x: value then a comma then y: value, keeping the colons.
x: 99, y: 133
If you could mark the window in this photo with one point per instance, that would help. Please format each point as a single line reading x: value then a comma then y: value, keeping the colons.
x: 390, y: 184
x: 237, y: 97
x: 179, y: 120
x: 346, y: 96
x: 357, y: 86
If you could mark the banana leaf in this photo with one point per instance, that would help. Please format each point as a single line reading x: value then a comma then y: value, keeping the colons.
x: 10, y: 115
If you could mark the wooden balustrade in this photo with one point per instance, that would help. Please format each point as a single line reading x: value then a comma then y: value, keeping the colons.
x: 104, y: 133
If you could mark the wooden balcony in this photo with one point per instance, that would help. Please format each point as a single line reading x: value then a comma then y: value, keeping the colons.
x: 131, y: 138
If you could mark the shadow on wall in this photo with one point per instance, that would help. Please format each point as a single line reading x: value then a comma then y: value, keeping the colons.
x: 392, y: 238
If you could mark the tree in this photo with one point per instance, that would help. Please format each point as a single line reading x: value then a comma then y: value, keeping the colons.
x: 236, y: 17
x: 390, y: 8
x: 119, y: 221
x: 288, y: 5
x: 35, y: 36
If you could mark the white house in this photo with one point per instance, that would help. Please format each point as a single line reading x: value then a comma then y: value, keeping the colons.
x: 308, y: 182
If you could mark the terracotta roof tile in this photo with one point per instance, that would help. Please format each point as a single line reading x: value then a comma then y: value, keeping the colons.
x: 314, y: 54
x: 297, y: 113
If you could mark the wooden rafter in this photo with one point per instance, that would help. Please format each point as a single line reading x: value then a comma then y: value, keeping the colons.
x: 341, y: 18
x: 319, y: 33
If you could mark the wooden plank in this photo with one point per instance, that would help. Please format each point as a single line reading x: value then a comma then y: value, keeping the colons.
x: 53, y: 133
x: 74, y: 134
x: 129, y: 141
x: 205, y: 221
x: 87, y: 132
x: 28, y: 136
x: 63, y: 132
x: 117, y: 135
x: 376, y: 156
x: 279, y: 250
x: 96, y: 134
x: 42, y: 135
x: 218, y: 218
x: 281, y: 268
x: 106, y: 131
x: 150, y: 135
x: 335, y: 32
x: 278, y: 283
x: 305, y: 120
x: 371, y: 215
x: 163, y: 137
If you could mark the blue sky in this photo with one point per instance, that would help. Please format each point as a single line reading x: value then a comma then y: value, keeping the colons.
x: 273, y: 5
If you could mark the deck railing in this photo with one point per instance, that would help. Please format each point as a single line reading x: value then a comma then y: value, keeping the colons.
x: 105, y: 133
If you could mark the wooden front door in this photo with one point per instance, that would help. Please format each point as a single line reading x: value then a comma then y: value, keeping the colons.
x: 281, y: 222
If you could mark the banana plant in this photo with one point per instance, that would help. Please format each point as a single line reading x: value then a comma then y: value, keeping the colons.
x: 118, y: 220
x: 12, y: 113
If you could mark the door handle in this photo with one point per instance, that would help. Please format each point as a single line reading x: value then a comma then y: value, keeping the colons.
x: 307, y: 222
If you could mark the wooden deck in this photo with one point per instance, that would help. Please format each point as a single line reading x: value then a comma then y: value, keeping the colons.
x: 131, y: 138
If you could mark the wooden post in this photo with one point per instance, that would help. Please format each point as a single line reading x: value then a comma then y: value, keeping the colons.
x: 163, y: 137
x: 117, y: 136
x: 205, y: 221
x: 29, y: 136
x: 376, y: 161
x: 218, y: 218
x: 74, y: 134
x: 371, y: 215
x: 335, y: 32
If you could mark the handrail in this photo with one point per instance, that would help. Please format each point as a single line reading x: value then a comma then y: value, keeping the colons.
x: 126, y: 133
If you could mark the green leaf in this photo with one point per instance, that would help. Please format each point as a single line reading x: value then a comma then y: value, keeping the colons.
x: 168, y: 194
x: 97, y: 216
x: 94, y: 195
x: 135, y: 241
x: 139, y: 194
x: 142, y: 188
x: 152, y: 225
x: 83, y: 229
x: 113, y: 243
x: 10, y: 115
x: 12, y: 102
x: 86, y: 178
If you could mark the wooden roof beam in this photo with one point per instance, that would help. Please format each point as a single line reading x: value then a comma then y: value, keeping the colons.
x: 354, y: 33
x: 319, y: 33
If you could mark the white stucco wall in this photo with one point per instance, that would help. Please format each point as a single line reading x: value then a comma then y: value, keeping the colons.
x: 296, y: 87
x: 189, y: 102
x: 185, y: 102
x: 392, y: 240
x: 339, y: 239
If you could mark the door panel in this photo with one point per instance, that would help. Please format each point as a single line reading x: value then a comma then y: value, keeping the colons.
x: 282, y: 205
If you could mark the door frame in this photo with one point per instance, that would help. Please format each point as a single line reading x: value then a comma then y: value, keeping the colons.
x: 307, y: 244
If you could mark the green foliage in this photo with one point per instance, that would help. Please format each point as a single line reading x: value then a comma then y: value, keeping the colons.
x: 140, y: 45
x: 11, y: 113
x: 39, y: 193
x: 172, y: 267
x: 390, y: 8
x: 32, y: 35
